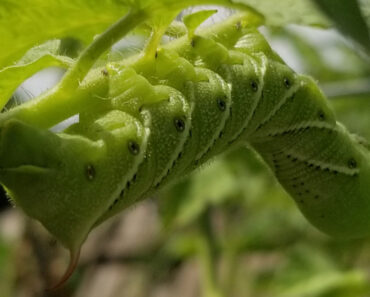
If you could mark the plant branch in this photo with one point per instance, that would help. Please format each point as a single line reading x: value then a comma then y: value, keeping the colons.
x: 104, y: 41
x: 208, y: 253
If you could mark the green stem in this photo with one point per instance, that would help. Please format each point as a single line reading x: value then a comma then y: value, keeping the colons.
x: 53, y: 107
x: 86, y: 61
x: 208, y: 256
x: 231, y: 269
x: 71, y: 96
x: 154, y: 41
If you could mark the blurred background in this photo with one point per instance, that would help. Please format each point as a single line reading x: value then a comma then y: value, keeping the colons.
x: 228, y: 230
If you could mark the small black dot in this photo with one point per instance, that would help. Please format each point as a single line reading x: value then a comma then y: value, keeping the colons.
x: 133, y: 147
x: 254, y: 86
x: 179, y: 124
x: 335, y: 172
x: 288, y: 156
x: 302, y: 183
x: 156, y: 54
x: 316, y: 197
x: 105, y: 72
x: 192, y: 43
x: 115, y: 201
x: 221, y: 104
x: 233, y: 140
x: 294, y: 160
x: 122, y: 193
x: 134, y: 178
x: 221, y: 134
x: 190, y: 133
x: 352, y: 163
x: 128, y: 185
x: 287, y: 83
x: 90, y: 172
x: 321, y: 115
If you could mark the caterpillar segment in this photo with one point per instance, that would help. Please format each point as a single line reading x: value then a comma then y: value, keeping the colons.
x: 168, y: 120
x: 193, y: 140
x: 279, y: 113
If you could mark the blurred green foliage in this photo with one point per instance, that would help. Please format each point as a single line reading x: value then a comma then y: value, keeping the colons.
x: 7, y: 268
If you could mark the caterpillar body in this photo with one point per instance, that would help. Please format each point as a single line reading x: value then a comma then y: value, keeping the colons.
x: 168, y: 113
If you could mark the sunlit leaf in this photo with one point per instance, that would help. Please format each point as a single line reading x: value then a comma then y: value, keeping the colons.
x: 36, y: 59
x: 282, y: 12
x: 24, y: 24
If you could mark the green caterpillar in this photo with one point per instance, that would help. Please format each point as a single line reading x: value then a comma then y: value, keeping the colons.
x: 149, y: 120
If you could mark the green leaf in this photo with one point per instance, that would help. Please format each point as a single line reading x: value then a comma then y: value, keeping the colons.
x: 348, y: 18
x: 36, y: 59
x: 283, y: 12
x: 26, y: 23
x: 192, y: 21
x: 23, y: 24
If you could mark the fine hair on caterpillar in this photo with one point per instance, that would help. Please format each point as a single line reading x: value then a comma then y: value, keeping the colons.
x: 167, y: 111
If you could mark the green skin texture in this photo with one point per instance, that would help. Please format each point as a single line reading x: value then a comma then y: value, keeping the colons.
x: 147, y: 121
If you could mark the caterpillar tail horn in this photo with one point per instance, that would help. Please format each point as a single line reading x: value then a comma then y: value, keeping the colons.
x: 73, y: 261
